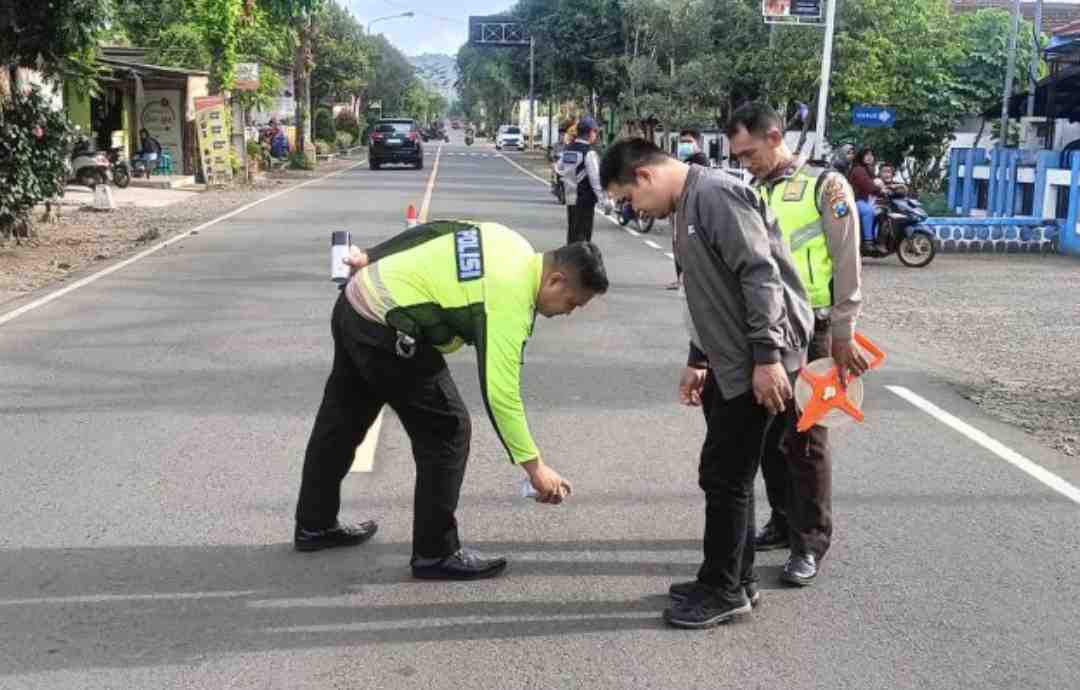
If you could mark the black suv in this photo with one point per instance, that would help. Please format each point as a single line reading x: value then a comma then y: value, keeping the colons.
x: 395, y: 140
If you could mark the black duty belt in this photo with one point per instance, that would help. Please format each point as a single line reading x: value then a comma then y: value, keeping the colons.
x: 380, y: 335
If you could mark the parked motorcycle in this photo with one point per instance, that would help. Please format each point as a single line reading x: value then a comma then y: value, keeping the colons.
x: 626, y: 214
x: 557, y: 189
x: 898, y: 219
x: 88, y: 166
x: 121, y: 173
x: 468, y: 137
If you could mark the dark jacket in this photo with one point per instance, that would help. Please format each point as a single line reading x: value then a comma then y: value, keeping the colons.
x: 746, y: 301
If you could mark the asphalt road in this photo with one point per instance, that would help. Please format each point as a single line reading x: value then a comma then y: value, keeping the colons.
x: 152, y: 432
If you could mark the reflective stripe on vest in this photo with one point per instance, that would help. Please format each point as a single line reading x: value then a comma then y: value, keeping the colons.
x: 803, y: 230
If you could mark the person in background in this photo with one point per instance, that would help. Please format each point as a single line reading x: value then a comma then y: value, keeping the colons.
x: 149, y: 151
x: 579, y: 166
x: 861, y: 177
x: 689, y: 150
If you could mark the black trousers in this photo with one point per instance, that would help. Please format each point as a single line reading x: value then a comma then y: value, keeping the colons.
x: 364, y: 377
x: 579, y: 222
x: 798, y: 473
x: 734, y: 440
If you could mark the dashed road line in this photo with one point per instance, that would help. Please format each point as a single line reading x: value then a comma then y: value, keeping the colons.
x: 632, y: 233
x: 364, y: 457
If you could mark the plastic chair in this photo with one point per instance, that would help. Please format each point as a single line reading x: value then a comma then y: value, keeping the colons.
x: 164, y: 164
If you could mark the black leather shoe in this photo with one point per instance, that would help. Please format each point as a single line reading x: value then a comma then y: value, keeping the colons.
x: 338, y: 535
x: 774, y: 535
x: 681, y: 590
x: 704, y: 608
x: 460, y: 565
x: 800, y: 571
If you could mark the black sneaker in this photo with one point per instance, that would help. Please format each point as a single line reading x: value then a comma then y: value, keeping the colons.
x: 680, y: 590
x: 463, y: 564
x: 774, y: 535
x: 338, y: 535
x: 705, y: 608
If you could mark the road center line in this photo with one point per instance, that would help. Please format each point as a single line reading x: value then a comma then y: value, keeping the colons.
x: 364, y: 457
x: 15, y: 313
x: 996, y: 447
x: 430, y: 187
x: 652, y: 244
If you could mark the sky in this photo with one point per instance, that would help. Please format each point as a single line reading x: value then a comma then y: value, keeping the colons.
x: 440, y: 26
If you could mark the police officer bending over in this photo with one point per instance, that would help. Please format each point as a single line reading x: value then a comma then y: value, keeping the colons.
x: 415, y: 297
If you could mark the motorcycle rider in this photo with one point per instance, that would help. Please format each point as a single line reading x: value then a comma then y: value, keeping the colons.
x: 861, y: 177
x: 815, y: 208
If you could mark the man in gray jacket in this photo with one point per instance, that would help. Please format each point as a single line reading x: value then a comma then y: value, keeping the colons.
x: 751, y: 324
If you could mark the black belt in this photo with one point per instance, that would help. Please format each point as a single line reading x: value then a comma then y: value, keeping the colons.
x: 379, y: 335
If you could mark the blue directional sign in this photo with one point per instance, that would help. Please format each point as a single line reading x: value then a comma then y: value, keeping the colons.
x: 874, y: 116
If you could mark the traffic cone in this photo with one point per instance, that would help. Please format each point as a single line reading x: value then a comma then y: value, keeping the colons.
x: 410, y: 216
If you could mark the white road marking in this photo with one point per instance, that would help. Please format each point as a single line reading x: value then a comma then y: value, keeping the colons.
x: 996, y: 447
x: 15, y: 313
x: 364, y: 457
x: 633, y: 233
x: 652, y: 244
x: 669, y: 255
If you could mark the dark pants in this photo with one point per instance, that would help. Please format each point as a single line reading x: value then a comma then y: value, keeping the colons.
x: 734, y: 439
x: 798, y: 473
x: 364, y: 377
x: 579, y: 222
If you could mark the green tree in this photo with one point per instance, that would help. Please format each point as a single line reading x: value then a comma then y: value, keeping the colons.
x: 57, y: 38
x: 392, y: 76
x: 34, y: 143
x: 298, y: 15
x: 341, y: 66
x: 955, y: 69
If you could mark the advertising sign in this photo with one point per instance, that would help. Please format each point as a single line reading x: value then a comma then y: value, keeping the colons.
x: 162, y: 117
x: 213, y: 135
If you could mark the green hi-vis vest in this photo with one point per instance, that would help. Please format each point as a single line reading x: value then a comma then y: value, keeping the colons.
x: 794, y: 202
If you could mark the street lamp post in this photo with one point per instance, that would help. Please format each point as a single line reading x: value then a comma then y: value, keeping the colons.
x: 389, y: 16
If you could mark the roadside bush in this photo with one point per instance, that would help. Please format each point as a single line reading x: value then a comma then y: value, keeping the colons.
x: 301, y: 161
x: 324, y: 125
x: 347, y: 122
x: 34, y: 145
x: 344, y: 140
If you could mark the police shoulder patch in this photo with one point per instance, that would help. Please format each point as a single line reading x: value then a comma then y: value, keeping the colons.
x: 469, y: 254
x: 840, y: 209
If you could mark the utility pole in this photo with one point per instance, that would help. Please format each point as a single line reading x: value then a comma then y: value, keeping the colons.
x: 1003, y: 139
x: 826, y: 73
x: 1036, y: 51
x: 532, y: 95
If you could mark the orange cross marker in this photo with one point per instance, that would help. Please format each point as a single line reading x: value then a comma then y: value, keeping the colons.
x: 826, y: 392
